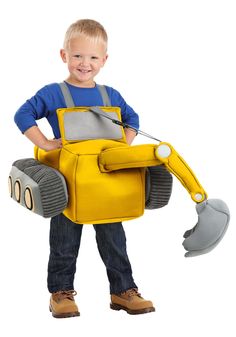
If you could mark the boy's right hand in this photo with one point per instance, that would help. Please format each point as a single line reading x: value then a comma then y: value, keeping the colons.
x: 51, y: 144
x: 37, y: 137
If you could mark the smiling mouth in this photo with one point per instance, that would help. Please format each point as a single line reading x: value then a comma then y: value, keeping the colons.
x: 83, y: 71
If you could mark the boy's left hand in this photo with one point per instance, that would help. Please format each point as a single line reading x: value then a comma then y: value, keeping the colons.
x: 130, y: 134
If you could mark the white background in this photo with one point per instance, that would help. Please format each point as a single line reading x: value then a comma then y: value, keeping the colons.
x: 174, y: 62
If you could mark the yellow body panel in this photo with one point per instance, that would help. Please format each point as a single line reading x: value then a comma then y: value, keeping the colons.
x: 96, y: 197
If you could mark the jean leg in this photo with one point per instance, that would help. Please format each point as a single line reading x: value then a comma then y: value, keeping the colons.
x: 65, y: 239
x: 111, y: 242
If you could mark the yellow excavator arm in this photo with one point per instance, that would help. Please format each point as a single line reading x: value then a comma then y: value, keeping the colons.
x: 176, y: 165
x: 152, y: 155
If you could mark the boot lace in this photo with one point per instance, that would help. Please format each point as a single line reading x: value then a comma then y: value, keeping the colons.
x: 132, y: 292
x: 65, y: 294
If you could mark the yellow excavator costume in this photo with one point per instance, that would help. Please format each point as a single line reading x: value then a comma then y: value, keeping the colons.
x: 97, y: 178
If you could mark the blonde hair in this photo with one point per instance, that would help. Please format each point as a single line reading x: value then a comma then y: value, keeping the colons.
x: 90, y: 29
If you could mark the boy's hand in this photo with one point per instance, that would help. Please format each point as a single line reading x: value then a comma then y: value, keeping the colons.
x: 37, y: 137
x: 51, y: 144
x: 130, y: 134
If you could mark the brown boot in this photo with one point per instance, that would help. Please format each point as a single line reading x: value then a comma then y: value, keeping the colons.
x: 62, y: 304
x: 132, y: 302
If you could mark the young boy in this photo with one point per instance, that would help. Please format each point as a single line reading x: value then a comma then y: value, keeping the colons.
x: 85, y: 52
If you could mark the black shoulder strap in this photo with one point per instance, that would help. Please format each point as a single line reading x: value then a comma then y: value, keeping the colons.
x: 69, y: 100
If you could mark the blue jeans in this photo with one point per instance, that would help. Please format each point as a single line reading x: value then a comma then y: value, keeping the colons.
x: 65, y: 237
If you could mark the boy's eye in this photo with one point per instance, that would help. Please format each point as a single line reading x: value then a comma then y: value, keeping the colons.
x: 77, y: 56
x: 94, y: 57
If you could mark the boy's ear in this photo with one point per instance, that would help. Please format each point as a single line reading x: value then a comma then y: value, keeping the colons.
x: 63, y: 55
x: 105, y: 59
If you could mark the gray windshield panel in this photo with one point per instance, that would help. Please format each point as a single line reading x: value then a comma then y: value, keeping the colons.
x: 87, y: 125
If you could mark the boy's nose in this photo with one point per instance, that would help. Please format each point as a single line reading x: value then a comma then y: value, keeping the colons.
x: 84, y: 61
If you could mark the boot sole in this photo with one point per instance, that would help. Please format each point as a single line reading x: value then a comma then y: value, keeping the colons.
x: 118, y: 307
x: 65, y: 314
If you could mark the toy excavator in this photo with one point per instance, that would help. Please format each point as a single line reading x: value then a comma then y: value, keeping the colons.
x: 96, y: 177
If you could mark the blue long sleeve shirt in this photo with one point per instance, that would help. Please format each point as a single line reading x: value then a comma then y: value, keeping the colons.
x: 48, y: 99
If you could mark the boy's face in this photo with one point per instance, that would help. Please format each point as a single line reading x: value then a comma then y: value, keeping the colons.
x: 84, y: 59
